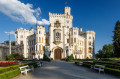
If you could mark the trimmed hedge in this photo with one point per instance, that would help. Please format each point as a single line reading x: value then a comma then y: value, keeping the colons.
x: 86, y: 65
x: 10, y: 74
x: 10, y: 68
x: 112, y: 71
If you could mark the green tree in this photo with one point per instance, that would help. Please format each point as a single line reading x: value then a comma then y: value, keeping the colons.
x: 7, y: 43
x: 106, y: 52
x: 46, y: 58
x: 116, y: 39
x: 100, y: 54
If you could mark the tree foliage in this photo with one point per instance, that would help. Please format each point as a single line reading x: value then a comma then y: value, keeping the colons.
x: 116, y: 39
x: 7, y: 43
x: 106, y: 52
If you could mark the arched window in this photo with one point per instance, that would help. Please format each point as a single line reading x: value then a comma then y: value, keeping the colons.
x: 89, y: 49
x: 57, y: 36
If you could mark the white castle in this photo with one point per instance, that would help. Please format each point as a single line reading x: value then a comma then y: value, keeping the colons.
x: 61, y: 41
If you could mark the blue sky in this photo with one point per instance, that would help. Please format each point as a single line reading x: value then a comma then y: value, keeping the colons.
x: 97, y: 15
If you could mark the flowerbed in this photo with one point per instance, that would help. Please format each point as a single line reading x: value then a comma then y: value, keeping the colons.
x: 4, y: 64
x: 12, y: 71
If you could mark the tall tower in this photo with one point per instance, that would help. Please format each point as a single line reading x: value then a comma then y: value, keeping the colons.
x: 67, y: 10
x: 40, y: 41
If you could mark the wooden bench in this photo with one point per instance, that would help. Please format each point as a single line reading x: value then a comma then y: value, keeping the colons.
x: 100, y: 68
x: 25, y: 69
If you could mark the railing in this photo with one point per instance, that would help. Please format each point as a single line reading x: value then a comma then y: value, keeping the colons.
x: 77, y: 51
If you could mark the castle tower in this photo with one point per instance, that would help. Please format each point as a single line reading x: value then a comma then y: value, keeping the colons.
x: 67, y: 10
x: 40, y: 41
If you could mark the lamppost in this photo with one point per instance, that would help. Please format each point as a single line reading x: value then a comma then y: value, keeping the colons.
x: 9, y: 44
x: 9, y: 33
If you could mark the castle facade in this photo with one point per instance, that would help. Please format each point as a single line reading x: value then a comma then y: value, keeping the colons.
x: 61, y: 41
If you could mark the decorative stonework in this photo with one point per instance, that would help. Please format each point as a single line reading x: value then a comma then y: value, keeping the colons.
x: 57, y: 42
x: 57, y: 24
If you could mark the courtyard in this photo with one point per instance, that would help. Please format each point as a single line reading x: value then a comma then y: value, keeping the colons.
x: 64, y: 70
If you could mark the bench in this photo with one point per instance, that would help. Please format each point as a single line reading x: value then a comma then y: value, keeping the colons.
x: 39, y: 64
x: 25, y: 69
x: 100, y: 68
x: 80, y: 63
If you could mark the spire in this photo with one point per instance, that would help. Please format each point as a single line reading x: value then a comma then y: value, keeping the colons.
x: 36, y: 23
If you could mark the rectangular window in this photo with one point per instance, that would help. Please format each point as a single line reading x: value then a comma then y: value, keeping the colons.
x: 90, y: 43
x: 21, y: 42
x: 57, y: 36
x: 42, y: 39
x: 74, y: 40
x: 67, y: 40
x: 39, y: 47
x: 42, y: 48
x: 39, y: 39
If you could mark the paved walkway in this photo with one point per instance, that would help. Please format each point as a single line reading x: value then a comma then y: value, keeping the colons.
x: 64, y: 70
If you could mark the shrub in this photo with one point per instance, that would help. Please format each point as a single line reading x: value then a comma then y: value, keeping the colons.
x: 15, y: 56
x: 10, y: 74
x: 70, y: 58
x: 46, y: 58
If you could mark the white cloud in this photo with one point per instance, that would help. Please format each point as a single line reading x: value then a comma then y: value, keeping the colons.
x: 37, y: 12
x: 19, y: 11
x: 12, y: 32
x: 43, y: 22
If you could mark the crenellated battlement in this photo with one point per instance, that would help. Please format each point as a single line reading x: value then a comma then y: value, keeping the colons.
x: 40, y: 27
x: 53, y: 15
x: 67, y: 8
x: 23, y: 30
